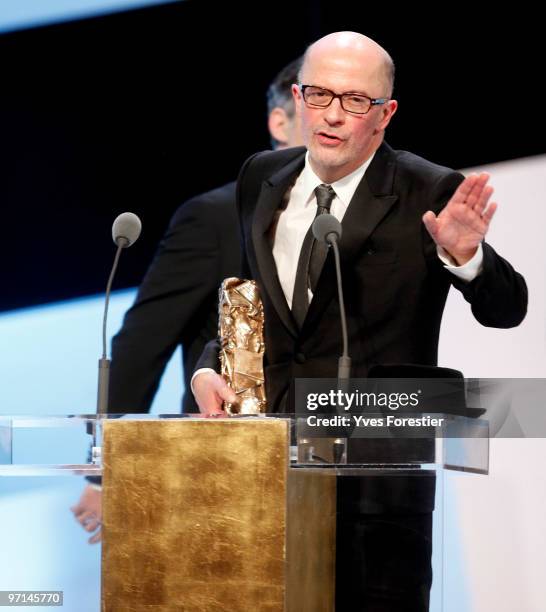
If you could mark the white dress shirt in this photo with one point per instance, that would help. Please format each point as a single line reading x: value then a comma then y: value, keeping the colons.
x: 296, y: 219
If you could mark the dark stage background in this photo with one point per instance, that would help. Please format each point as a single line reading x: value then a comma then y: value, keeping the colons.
x: 141, y: 110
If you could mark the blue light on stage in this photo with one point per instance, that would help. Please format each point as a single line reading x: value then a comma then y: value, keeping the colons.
x: 32, y: 13
x: 48, y: 364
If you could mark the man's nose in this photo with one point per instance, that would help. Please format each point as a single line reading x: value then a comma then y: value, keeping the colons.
x: 335, y: 114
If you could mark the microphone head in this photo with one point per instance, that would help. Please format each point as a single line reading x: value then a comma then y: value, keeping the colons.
x: 324, y: 226
x: 126, y: 229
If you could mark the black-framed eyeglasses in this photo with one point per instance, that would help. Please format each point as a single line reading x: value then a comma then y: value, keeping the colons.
x: 356, y: 103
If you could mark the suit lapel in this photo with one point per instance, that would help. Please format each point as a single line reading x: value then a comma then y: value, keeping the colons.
x: 370, y: 203
x: 269, y: 201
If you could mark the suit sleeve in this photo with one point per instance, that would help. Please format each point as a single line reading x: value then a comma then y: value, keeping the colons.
x: 244, y: 211
x: 498, y: 295
x: 210, y: 357
x: 182, y: 275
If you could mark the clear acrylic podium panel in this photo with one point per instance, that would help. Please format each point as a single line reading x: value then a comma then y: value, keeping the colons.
x: 43, y: 460
x: 57, y: 445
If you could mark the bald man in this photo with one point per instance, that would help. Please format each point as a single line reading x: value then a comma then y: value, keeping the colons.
x: 411, y: 229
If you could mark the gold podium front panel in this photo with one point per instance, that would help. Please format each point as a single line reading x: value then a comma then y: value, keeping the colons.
x: 311, y: 540
x: 195, y: 517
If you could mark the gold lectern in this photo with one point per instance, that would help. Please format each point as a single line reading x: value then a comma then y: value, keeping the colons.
x: 195, y: 519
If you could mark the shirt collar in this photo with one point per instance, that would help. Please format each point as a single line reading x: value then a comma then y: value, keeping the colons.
x: 344, y: 188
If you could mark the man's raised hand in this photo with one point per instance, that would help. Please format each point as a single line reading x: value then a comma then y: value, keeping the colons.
x: 463, y: 223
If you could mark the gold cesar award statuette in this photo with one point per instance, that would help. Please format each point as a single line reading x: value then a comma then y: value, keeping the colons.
x: 241, y: 330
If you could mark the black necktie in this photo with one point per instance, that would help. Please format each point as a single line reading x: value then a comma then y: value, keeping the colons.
x: 311, y: 260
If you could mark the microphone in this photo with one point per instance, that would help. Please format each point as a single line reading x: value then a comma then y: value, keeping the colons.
x: 125, y: 231
x: 327, y: 229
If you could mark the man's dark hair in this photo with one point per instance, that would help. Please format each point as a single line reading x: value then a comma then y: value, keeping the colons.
x: 279, y: 92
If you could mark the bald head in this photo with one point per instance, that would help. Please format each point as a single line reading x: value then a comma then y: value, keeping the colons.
x: 340, y: 50
x: 340, y: 69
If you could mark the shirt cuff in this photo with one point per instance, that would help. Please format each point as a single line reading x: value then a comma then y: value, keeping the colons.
x: 467, y: 272
x: 95, y: 486
x: 196, y: 373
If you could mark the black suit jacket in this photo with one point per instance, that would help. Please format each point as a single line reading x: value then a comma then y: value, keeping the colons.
x: 394, y: 284
x: 177, y: 300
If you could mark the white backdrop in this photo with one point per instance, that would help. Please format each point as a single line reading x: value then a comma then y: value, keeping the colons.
x: 517, y: 232
x: 495, y: 540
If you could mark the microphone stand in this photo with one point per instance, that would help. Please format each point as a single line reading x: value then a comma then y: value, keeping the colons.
x: 104, y: 362
x: 339, y: 447
x: 344, y: 361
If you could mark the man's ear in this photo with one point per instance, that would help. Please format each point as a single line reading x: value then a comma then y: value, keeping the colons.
x: 278, y: 124
x: 388, y: 110
x: 296, y: 92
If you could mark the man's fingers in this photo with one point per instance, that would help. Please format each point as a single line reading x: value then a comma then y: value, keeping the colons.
x: 211, y: 391
x: 88, y: 512
x: 223, y: 393
x: 227, y: 394
x: 488, y: 214
x: 91, y: 525
x: 96, y: 538
x: 215, y: 407
x: 483, y: 199
x: 478, y: 185
x: 429, y: 219
x: 470, y: 190
x: 84, y: 517
x: 463, y: 191
x: 79, y: 511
